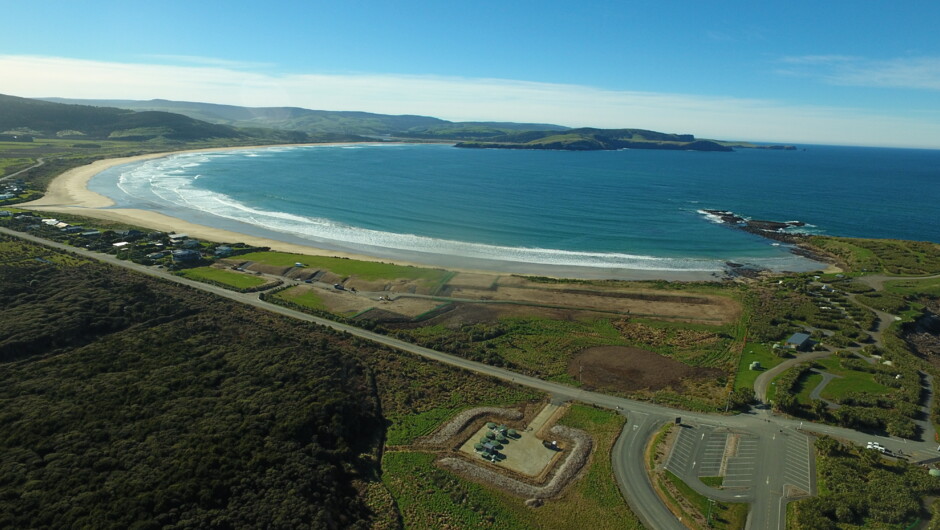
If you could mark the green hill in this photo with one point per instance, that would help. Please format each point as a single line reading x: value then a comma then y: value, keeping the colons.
x: 590, y: 139
x: 321, y: 121
x: 38, y: 118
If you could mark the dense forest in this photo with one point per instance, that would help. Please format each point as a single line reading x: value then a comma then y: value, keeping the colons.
x: 129, y: 403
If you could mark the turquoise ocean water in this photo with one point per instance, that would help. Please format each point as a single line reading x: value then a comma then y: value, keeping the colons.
x: 596, y: 211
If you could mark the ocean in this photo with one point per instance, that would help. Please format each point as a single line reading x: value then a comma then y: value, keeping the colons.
x: 596, y: 212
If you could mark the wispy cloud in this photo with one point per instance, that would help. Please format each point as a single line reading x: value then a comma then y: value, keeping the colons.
x: 462, y: 99
x: 921, y: 73
x: 205, y: 61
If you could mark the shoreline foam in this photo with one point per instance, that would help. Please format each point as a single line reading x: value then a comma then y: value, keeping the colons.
x: 69, y: 193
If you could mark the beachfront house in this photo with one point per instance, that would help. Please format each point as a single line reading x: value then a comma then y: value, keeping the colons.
x: 223, y: 251
x: 185, y: 256
x: 799, y: 342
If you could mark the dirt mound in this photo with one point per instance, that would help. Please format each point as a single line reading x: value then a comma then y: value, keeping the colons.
x: 629, y: 369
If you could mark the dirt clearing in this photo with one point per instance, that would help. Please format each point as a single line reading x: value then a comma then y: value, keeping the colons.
x: 630, y: 369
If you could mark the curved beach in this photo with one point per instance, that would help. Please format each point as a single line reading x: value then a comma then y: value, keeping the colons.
x: 69, y: 193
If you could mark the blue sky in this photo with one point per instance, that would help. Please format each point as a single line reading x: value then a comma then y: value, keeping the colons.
x: 858, y: 73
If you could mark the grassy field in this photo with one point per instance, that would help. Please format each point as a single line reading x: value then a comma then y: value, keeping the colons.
x: 759, y: 352
x: 228, y: 278
x: 850, y: 381
x: 807, y: 384
x: 305, y: 297
x: 914, y: 288
x: 367, y: 270
x: 429, y: 497
x: 883, y: 255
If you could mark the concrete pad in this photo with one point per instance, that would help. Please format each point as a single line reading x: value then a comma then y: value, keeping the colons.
x: 526, y: 454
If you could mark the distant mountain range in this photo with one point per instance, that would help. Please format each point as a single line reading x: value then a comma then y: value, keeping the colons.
x: 179, y: 121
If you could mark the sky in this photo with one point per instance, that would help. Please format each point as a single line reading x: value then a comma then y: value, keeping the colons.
x: 833, y: 72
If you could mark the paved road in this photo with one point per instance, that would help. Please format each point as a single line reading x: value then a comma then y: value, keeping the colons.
x: 765, y: 378
x: 816, y: 393
x: 770, y: 431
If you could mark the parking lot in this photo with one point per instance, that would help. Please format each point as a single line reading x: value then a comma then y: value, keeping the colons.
x: 740, y: 468
x: 798, y: 471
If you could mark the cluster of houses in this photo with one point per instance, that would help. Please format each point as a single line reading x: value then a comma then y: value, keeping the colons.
x: 12, y: 189
x: 180, y: 247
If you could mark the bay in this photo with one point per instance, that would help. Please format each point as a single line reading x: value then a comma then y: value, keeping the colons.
x: 600, y: 209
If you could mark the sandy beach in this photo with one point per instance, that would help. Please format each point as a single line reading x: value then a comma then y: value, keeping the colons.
x: 68, y: 193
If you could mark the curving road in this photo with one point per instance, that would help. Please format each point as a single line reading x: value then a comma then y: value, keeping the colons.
x: 768, y: 495
x: 39, y: 162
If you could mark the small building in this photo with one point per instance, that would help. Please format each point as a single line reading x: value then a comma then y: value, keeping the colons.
x: 185, y: 256
x: 120, y: 244
x: 755, y: 365
x: 91, y: 233
x: 155, y: 255
x: 223, y: 251
x: 799, y: 342
x: 190, y: 243
x: 73, y: 229
x: 6, y: 213
x: 5, y: 196
x: 129, y: 235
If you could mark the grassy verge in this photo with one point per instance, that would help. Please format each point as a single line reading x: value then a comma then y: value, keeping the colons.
x: 713, y: 482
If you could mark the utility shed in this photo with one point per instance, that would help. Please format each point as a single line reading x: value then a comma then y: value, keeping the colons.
x: 799, y: 341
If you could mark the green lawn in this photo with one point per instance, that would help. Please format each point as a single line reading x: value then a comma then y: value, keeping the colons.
x: 759, y: 352
x: 228, y: 278
x: 302, y: 297
x: 851, y: 381
x: 807, y: 384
